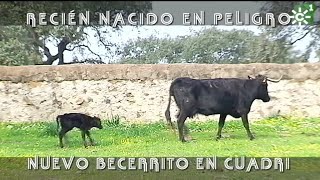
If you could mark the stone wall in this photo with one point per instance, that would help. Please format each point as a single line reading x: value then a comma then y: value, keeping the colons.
x: 140, y: 92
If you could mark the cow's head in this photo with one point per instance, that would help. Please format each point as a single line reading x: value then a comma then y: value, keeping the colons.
x: 96, y: 122
x: 263, y: 86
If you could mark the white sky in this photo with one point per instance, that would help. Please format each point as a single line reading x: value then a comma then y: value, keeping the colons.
x: 131, y: 33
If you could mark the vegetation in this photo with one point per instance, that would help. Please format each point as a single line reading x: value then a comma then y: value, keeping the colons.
x: 275, y: 137
x: 26, y: 45
x: 210, y: 46
x: 293, y: 34
x: 23, y: 45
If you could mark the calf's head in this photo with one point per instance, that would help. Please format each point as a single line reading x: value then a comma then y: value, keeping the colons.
x: 262, y: 89
x: 96, y: 122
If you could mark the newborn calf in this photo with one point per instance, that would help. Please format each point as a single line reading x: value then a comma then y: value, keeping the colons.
x: 84, y: 122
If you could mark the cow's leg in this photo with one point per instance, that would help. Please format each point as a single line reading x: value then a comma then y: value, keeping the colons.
x: 62, y: 133
x: 182, y: 118
x: 246, y: 125
x: 187, y: 132
x: 90, y: 138
x: 83, y: 135
x: 222, y: 120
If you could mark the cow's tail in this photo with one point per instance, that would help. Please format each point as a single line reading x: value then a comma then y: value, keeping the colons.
x: 167, y: 113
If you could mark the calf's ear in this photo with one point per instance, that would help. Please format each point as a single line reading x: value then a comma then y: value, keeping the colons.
x: 264, y: 81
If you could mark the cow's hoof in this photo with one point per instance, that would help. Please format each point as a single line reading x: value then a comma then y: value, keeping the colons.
x: 252, y: 138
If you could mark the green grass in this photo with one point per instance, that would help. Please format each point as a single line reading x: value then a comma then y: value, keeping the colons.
x: 275, y: 137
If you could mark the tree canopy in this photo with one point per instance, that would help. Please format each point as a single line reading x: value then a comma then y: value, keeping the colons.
x: 210, y: 46
x: 293, y: 34
x: 32, y: 41
x: 23, y: 45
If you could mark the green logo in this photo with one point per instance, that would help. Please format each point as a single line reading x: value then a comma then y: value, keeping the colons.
x: 304, y: 13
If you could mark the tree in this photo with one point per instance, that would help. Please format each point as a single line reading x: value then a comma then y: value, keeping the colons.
x: 14, y: 49
x: 292, y: 34
x: 209, y: 46
x: 65, y: 37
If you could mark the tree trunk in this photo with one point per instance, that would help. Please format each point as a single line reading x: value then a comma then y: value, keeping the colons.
x: 61, y: 48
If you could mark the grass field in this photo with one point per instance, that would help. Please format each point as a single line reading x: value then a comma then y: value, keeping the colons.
x: 275, y: 137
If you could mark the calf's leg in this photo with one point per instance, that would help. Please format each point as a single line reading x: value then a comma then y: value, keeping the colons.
x: 66, y: 139
x: 246, y: 125
x: 61, y: 135
x: 222, y: 120
x: 90, y: 138
x: 83, y: 135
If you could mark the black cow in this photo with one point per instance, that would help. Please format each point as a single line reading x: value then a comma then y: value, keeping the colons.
x: 84, y: 122
x: 224, y: 96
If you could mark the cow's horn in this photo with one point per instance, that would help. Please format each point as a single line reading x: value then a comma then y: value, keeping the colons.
x: 274, y: 80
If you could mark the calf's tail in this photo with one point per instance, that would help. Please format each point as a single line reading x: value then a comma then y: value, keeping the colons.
x: 167, y: 113
x: 57, y: 120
